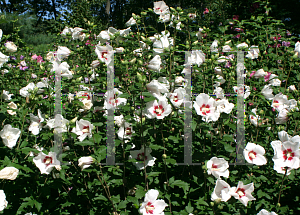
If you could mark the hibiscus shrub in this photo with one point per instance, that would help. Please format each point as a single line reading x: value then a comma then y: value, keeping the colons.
x: 59, y: 159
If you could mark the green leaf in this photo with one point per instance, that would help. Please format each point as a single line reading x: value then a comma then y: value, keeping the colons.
x: 24, y: 143
x: 122, y: 204
x: 153, y: 174
x: 211, y: 180
x: 132, y: 199
x: 181, y: 184
x: 101, y: 197
x: 260, y: 193
x: 149, y: 99
x: 156, y: 147
x: 97, y: 138
x: 231, y: 125
x: 202, y: 202
x: 171, y: 161
x: 85, y: 143
x: 227, y: 138
x: 174, y: 139
x: 140, y: 192
x: 67, y: 204
x: 37, y: 205
x: 27, y: 150
x: 116, y: 182
x: 189, y: 208
x: 21, y: 167
x: 263, y: 178
x: 171, y: 180
x: 97, y: 123
x: 229, y: 148
x: 194, y: 125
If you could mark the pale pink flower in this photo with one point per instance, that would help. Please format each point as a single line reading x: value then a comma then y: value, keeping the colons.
x: 206, y: 107
x: 243, y: 192
x: 45, y: 163
x: 143, y: 157
x: 265, y: 212
x: 160, y: 8
x: 255, y: 154
x: 152, y: 205
x: 221, y: 191
x: 218, y: 167
x: 83, y: 129
x: 158, y: 109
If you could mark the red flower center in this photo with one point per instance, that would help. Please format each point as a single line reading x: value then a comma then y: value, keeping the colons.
x: 85, y: 129
x: 252, y: 155
x: 158, y: 110
x: 205, y: 109
x: 288, y: 154
x: 113, y: 100
x: 141, y: 157
x: 47, y: 160
x: 149, y: 208
x: 104, y: 54
x: 276, y: 103
x: 175, y: 99
x: 128, y: 131
x: 87, y: 95
x: 241, y: 192
x: 214, y: 167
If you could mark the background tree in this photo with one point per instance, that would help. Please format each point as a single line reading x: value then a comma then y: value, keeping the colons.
x: 51, y: 16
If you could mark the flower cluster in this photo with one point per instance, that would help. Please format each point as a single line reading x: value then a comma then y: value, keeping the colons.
x: 164, y: 99
x: 224, y: 192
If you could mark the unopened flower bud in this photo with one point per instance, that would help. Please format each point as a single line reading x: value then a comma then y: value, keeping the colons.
x: 295, y: 56
x: 164, y: 156
x: 120, y: 50
x: 58, y: 167
x: 217, y: 201
x: 140, y: 62
x: 212, y: 204
x: 292, y: 88
x: 132, y: 61
x: 172, y: 9
x: 73, y: 120
x: 139, y: 76
x: 85, y: 162
x: 78, y: 79
x: 216, y: 130
x: 124, y: 62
